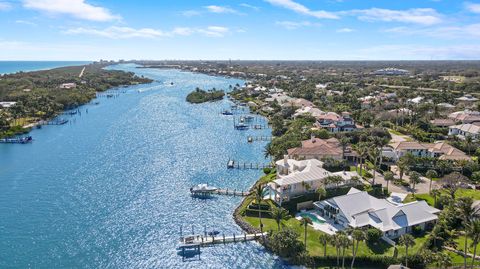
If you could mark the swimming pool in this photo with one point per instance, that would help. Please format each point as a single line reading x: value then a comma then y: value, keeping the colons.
x: 313, y: 217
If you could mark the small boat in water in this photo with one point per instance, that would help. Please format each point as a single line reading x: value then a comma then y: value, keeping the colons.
x: 227, y: 112
x: 202, y: 189
x: 20, y: 140
x: 212, y: 233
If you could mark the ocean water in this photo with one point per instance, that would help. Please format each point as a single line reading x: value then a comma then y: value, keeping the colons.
x: 7, y: 67
x: 110, y: 189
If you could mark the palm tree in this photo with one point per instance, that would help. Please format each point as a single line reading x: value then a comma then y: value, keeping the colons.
x: 259, y: 193
x: 406, y: 240
x: 402, y: 165
x: 362, y: 151
x: 388, y: 176
x: 268, y: 151
x: 474, y: 233
x: 344, y: 243
x: 466, y: 212
x: 468, y: 143
x: 430, y: 175
x: 279, y: 214
x: 435, y: 193
x: 322, y: 193
x: 324, y: 240
x: 374, y: 154
x: 358, y: 235
x: 443, y: 260
x: 305, y: 222
x: 337, y: 244
x: 344, y: 141
x: 414, y: 179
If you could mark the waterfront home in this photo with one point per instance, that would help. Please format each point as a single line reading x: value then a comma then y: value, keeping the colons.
x: 316, y: 148
x: 278, y: 97
x: 466, y: 116
x: 336, y: 123
x: 68, y: 85
x: 440, y: 150
x: 464, y: 130
x: 358, y: 209
x: 308, y: 111
x: 297, y: 178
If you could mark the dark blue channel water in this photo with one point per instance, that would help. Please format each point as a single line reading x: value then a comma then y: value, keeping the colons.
x: 110, y: 189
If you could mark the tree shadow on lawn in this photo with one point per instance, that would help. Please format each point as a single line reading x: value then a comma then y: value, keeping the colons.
x: 379, y: 247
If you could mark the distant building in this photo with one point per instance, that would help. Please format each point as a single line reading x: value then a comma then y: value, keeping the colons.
x: 465, y: 116
x: 442, y: 122
x: 417, y: 100
x: 464, y: 130
x: 440, y: 150
x: 336, y: 123
x: 308, y: 111
x: 391, y: 72
x: 316, y: 148
x: 68, y: 85
x: 467, y: 100
x: 7, y: 104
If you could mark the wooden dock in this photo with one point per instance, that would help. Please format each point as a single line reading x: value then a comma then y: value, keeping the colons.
x: 202, y: 241
x: 231, y: 192
x: 232, y: 164
x: 251, y: 139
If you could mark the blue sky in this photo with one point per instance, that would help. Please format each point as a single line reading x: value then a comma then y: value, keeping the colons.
x: 244, y: 29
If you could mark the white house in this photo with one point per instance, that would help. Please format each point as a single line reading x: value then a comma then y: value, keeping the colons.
x: 308, y: 110
x: 296, y: 178
x: 439, y: 149
x: 7, y: 104
x: 464, y: 130
x: 359, y: 209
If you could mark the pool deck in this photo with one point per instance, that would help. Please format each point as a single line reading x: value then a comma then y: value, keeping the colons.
x: 327, y: 227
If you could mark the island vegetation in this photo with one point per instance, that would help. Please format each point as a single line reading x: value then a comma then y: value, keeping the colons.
x: 42, y: 95
x: 202, y: 96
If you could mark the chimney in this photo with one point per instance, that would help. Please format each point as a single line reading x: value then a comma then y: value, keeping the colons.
x: 312, y: 138
x: 285, y: 159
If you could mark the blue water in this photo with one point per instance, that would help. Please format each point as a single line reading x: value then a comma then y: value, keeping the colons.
x: 7, y: 67
x: 110, y: 189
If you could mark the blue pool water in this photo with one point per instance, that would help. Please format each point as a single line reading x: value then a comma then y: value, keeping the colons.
x: 110, y: 189
x: 7, y: 67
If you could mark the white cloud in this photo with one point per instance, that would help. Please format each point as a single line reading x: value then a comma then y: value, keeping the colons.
x: 250, y: 6
x: 292, y: 25
x: 473, y: 7
x: 424, y: 16
x: 118, y: 32
x: 5, y: 5
x: 191, y: 13
x: 115, y: 32
x: 214, y: 31
x: 220, y: 9
x: 26, y: 22
x: 446, y: 32
x: 77, y: 8
x: 301, y: 9
x: 345, y: 30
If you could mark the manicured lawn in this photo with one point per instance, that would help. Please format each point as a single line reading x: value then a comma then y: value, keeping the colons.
x: 316, y: 249
x: 474, y: 194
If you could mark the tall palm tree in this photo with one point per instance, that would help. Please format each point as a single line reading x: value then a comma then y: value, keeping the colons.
x: 435, y: 193
x: 474, y: 233
x: 374, y: 154
x: 324, y: 240
x: 468, y: 143
x: 358, y: 235
x: 430, y: 175
x: 344, y: 141
x: 466, y: 212
x: 414, y: 179
x: 362, y: 151
x: 322, y: 193
x: 443, y: 260
x: 337, y: 244
x: 406, y: 240
x: 279, y: 214
x: 344, y: 243
x: 259, y: 193
x: 388, y: 176
x: 305, y: 222
x: 403, y: 166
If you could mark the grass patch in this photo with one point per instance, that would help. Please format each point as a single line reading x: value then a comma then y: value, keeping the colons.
x: 474, y: 194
